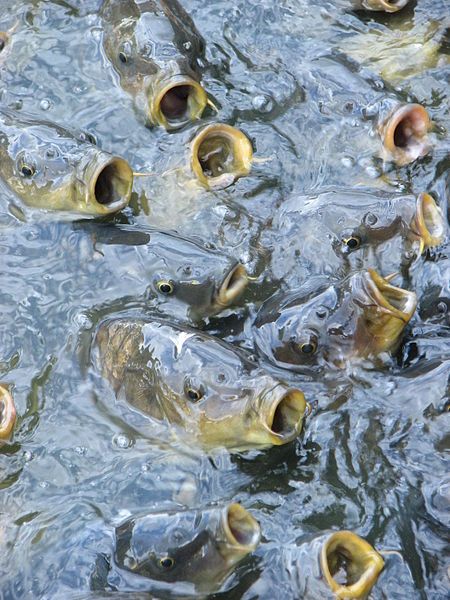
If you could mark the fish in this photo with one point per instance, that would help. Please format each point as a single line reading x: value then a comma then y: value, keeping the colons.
x: 200, y: 547
x: 337, y: 232
x: 220, y: 154
x: 332, y: 565
x: 166, y: 266
x: 203, y: 387
x: 389, y: 6
x: 404, y: 133
x: 7, y: 413
x: 48, y: 167
x: 155, y: 47
x: 333, y: 324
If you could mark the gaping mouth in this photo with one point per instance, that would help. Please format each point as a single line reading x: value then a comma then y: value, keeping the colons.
x: 181, y: 100
x: 7, y: 413
x: 285, y: 417
x: 241, y: 529
x: 387, y: 5
x: 396, y: 301
x: 428, y: 222
x: 232, y: 286
x: 350, y: 565
x: 220, y: 154
x: 405, y: 133
x: 110, y: 186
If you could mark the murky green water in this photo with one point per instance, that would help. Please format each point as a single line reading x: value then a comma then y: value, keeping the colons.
x: 302, y: 79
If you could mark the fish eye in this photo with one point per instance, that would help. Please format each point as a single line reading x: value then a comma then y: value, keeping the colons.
x: 308, y: 345
x: 166, y: 562
x: 193, y: 394
x: 165, y: 287
x: 2, y: 44
x: 353, y: 242
x: 193, y: 390
x: 28, y: 170
x: 123, y: 57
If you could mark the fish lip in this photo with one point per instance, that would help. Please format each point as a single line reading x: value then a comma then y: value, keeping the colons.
x: 232, y: 286
x: 356, y: 548
x: 428, y: 222
x: 240, y: 528
x: 398, y: 302
x: 386, y: 5
x: 7, y: 413
x: 195, y: 105
x: 283, y: 410
x: 109, y: 181
x: 239, y: 146
x: 414, y: 123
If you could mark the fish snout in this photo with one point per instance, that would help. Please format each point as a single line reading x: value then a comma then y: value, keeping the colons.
x: 220, y: 154
x: 7, y: 413
x: 282, y: 413
x: 397, y: 302
x: 428, y: 222
x: 176, y: 101
x: 404, y: 133
x: 241, y: 531
x: 389, y: 6
x: 108, y: 180
x: 232, y: 286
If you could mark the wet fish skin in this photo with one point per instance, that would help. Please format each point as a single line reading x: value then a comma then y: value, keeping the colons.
x: 359, y: 317
x: 155, y: 47
x: 338, y: 232
x: 196, y: 546
x: 48, y: 167
x: 204, y: 387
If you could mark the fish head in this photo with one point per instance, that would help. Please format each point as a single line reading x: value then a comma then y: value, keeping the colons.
x: 48, y: 168
x: 405, y: 133
x: 389, y: 6
x: 218, y: 394
x: 346, y: 551
x: 200, y: 547
x: 7, y: 413
x: 382, y: 312
x: 220, y: 154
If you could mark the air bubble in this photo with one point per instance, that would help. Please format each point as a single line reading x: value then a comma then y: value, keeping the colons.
x: 122, y: 441
x: 45, y: 104
x: 263, y: 103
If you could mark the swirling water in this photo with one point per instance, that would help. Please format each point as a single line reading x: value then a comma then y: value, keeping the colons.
x: 300, y: 78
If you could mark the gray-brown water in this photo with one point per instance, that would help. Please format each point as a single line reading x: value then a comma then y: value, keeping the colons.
x: 304, y: 80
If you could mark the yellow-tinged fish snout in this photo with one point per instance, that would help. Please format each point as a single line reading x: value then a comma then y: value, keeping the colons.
x: 232, y: 286
x: 220, y: 154
x: 177, y: 101
x: 405, y: 133
x: 398, y: 302
x: 240, y: 529
x: 389, y: 6
x: 360, y: 561
x: 428, y: 223
x: 283, y: 411
x: 108, y: 183
x: 7, y: 413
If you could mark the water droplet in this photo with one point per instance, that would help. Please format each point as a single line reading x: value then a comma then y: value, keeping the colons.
x: 263, y: 103
x: 187, y: 45
x: 81, y: 450
x: 45, y: 104
x: 347, y: 161
x: 122, y: 441
x: 27, y: 455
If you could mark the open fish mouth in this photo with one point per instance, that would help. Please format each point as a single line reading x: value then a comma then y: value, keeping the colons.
x: 390, y: 6
x: 428, y: 222
x: 110, y: 180
x: 7, y: 413
x: 397, y: 302
x: 345, y: 551
x: 285, y: 416
x: 220, y: 154
x: 3, y: 40
x: 405, y: 133
x: 232, y: 286
x: 178, y: 101
x: 241, y: 530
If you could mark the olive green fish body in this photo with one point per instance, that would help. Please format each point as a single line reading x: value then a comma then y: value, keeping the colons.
x: 209, y: 389
x: 155, y: 47
x: 197, y: 547
x: 361, y: 316
x: 49, y: 168
x: 338, y: 232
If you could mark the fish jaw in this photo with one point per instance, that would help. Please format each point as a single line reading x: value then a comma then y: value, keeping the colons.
x: 7, y: 413
x: 231, y: 288
x: 405, y: 134
x: 428, y: 223
x: 215, y: 139
x: 363, y: 564
x: 238, y: 534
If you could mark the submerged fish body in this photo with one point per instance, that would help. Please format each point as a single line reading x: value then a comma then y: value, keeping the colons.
x: 361, y: 316
x: 205, y: 387
x: 166, y: 266
x: 155, y: 47
x: 49, y: 168
x: 200, y: 547
x: 338, y: 232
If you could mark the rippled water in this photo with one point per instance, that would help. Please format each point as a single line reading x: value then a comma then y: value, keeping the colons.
x: 300, y: 78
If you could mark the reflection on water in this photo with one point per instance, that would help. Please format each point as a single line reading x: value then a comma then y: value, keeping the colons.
x: 304, y: 81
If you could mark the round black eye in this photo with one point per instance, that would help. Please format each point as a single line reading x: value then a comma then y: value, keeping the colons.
x: 165, y: 287
x: 308, y: 348
x: 2, y: 44
x: 27, y: 170
x: 352, y: 242
x: 123, y: 57
x: 166, y: 562
x: 193, y: 395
